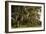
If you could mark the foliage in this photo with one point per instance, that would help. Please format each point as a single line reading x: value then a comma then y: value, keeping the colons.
x: 26, y: 16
